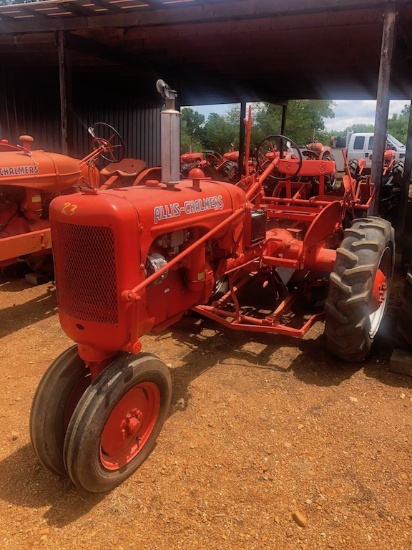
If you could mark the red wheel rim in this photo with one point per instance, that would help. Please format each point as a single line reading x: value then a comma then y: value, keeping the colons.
x: 378, y: 291
x: 129, y: 425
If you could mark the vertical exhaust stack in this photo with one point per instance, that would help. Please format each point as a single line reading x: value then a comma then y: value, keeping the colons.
x: 170, y: 135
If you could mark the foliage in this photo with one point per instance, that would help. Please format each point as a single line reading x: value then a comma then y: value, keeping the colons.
x: 192, y: 131
x: 220, y: 133
x: 398, y: 124
x: 361, y: 128
x: 304, y: 123
x: 304, y: 120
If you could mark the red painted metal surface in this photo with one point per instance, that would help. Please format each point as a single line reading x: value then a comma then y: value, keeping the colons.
x: 29, y: 180
x: 129, y: 425
x: 160, y: 249
x: 378, y: 291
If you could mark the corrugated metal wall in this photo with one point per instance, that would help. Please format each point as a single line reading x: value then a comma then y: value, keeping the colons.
x: 30, y: 104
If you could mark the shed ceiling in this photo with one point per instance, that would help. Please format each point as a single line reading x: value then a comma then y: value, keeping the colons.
x: 216, y: 51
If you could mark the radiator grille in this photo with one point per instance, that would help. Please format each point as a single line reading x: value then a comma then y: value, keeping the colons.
x: 84, y: 258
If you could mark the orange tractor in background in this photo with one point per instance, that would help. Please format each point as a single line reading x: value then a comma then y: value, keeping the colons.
x: 134, y: 260
x: 392, y: 178
x: 222, y: 167
x: 30, y: 179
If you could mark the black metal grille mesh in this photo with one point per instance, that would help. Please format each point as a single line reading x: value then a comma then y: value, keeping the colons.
x: 84, y: 258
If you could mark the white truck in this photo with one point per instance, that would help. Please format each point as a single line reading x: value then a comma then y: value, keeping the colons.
x: 360, y: 145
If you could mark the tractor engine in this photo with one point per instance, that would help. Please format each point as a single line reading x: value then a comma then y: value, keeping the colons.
x: 106, y: 243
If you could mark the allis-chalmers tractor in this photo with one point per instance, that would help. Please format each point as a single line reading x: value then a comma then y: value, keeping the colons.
x: 30, y: 179
x: 134, y: 260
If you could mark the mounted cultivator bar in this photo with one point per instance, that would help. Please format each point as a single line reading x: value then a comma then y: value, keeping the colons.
x: 284, y: 247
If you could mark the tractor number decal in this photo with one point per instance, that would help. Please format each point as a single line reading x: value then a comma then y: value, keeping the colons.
x: 174, y: 210
x: 69, y: 209
x: 18, y: 170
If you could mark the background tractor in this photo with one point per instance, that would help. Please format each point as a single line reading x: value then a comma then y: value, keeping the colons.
x: 213, y: 164
x: 30, y: 179
x: 392, y: 178
x: 134, y: 260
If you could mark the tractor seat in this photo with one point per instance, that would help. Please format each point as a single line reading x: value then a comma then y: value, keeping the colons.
x: 127, y: 167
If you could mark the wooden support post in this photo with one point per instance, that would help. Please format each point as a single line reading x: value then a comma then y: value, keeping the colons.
x: 283, y: 121
x: 382, y: 101
x: 65, y: 90
x: 242, y: 131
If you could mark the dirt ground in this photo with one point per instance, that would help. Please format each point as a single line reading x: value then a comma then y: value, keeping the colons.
x: 270, y: 443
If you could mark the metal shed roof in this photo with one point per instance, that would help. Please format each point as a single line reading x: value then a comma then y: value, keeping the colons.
x: 217, y: 51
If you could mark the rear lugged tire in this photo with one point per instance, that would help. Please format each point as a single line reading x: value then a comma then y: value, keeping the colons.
x: 353, y: 168
x: 116, y: 422
x: 397, y: 173
x: 359, y: 288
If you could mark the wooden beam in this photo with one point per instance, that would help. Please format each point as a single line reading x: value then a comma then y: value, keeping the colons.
x: 242, y: 133
x: 199, y: 12
x: 86, y: 45
x: 65, y: 91
x: 76, y: 9
x: 110, y: 6
x: 382, y: 101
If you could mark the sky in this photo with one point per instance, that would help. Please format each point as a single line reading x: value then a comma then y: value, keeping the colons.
x: 346, y: 112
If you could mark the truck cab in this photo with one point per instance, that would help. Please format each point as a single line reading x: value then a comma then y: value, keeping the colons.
x: 360, y: 145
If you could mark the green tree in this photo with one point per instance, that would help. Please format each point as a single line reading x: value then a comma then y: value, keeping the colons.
x: 360, y: 128
x: 304, y: 120
x: 398, y: 124
x: 220, y: 133
x: 191, y: 130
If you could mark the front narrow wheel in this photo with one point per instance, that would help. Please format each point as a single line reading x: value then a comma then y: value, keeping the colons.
x: 117, y: 421
x: 55, y: 399
x: 359, y: 288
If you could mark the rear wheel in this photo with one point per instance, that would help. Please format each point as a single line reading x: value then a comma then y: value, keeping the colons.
x: 397, y: 172
x: 117, y: 421
x: 359, y: 288
x: 353, y: 168
x: 55, y: 399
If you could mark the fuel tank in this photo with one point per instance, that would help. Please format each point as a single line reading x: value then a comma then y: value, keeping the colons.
x: 47, y: 172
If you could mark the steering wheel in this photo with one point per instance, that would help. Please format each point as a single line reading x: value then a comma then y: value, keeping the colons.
x: 104, y: 135
x: 274, y: 145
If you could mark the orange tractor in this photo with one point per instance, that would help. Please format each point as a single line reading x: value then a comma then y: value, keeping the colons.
x: 134, y: 260
x: 30, y: 179
x: 222, y: 167
x: 392, y: 178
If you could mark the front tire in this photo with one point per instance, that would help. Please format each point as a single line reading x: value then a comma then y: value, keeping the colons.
x: 116, y: 423
x: 359, y: 288
x: 53, y: 404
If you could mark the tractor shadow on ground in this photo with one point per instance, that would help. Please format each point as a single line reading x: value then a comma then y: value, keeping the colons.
x: 17, y: 486
x: 32, y: 311
x: 313, y: 364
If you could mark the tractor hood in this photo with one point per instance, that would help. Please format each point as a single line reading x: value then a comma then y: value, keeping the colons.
x: 49, y: 172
